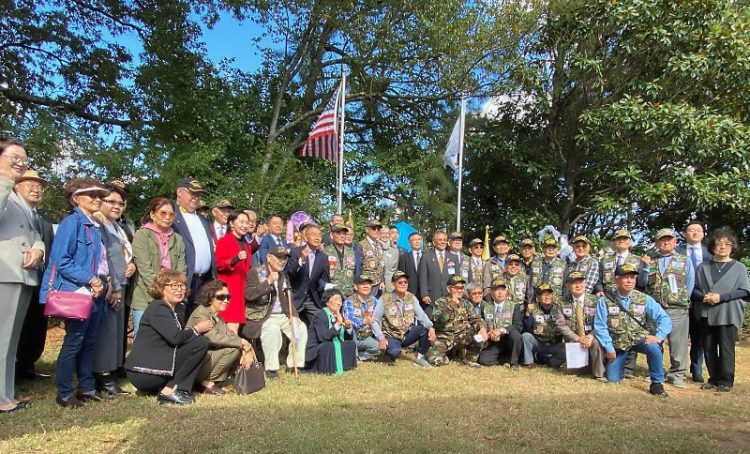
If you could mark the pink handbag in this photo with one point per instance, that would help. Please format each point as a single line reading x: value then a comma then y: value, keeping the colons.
x: 67, y: 305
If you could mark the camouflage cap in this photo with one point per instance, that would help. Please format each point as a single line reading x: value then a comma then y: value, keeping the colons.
x: 575, y: 275
x: 664, y: 233
x: 621, y: 233
x: 456, y: 279
x: 335, y: 228
x: 527, y: 242
x: 118, y: 184
x: 581, y: 239
x: 544, y: 288
x: 475, y: 241
x: 398, y: 275
x: 362, y: 279
x: 625, y: 269
x: 512, y: 258
x: 499, y: 282
x: 549, y: 242
x: 279, y: 251
x: 374, y: 224
x: 224, y: 203
x: 191, y: 184
x: 500, y: 239
x: 456, y: 236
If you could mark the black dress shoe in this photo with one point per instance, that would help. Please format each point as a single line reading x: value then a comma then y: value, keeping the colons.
x: 657, y: 389
x: 272, y: 374
x: 723, y: 388
x: 70, y: 402
x: 111, y: 387
x: 708, y: 385
x: 89, y: 395
x: 178, y: 397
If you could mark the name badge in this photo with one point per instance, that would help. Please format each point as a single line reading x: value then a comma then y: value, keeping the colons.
x: 409, y: 307
x: 392, y: 311
x: 587, y: 327
x: 369, y: 253
x: 614, y: 310
x: 540, y: 319
x: 609, y: 265
x: 358, y: 312
x: 451, y: 270
x: 567, y: 311
x: 489, y: 316
x: 583, y: 268
x: 506, y: 314
x: 590, y: 311
x: 639, y: 308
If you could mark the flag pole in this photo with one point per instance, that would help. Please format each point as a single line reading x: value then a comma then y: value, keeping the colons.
x: 460, y: 164
x: 340, y: 168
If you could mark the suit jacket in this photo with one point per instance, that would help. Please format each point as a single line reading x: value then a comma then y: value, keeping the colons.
x: 181, y: 227
x: 707, y: 256
x: 407, y: 265
x: 266, y: 245
x: 433, y: 282
x: 159, y: 335
x: 305, y: 283
x: 16, y: 234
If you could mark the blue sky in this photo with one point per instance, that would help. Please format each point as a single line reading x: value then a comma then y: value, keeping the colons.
x: 232, y: 39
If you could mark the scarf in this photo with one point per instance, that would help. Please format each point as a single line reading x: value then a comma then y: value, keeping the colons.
x: 336, y: 343
x: 117, y: 231
x: 162, y: 240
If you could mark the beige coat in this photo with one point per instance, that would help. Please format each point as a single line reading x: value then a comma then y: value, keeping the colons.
x: 16, y: 235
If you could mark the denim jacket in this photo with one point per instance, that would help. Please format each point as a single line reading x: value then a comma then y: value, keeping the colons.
x: 75, y: 254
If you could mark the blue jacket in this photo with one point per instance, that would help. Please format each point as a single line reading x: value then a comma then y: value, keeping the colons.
x: 75, y: 254
x: 266, y: 244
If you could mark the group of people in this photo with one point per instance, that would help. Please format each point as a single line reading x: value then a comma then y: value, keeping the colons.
x: 206, y: 297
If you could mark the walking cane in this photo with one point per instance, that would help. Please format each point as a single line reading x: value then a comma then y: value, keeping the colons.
x: 293, y: 343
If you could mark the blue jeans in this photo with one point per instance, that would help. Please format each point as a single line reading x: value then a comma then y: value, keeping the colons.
x: 136, y: 321
x: 415, y: 333
x: 77, y: 352
x: 653, y: 354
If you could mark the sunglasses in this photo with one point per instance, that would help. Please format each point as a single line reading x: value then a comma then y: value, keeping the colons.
x: 222, y: 296
x: 165, y: 214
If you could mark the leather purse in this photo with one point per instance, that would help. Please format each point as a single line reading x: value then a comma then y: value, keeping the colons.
x: 250, y: 380
x: 65, y: 304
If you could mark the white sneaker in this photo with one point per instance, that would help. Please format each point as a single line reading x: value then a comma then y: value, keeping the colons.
x: 421, y: 362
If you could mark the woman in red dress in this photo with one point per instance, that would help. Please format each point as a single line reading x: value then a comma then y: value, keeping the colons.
x: 234, y: 257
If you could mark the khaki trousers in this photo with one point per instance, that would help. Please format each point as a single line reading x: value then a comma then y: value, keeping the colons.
x: 271, y: 341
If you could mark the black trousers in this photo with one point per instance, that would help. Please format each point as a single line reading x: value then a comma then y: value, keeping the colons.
x: 309, y: 309
x: 719, y: 343
x: 188, y: 361
x: 495, y: 353
x: 33, y: 337
x: 697, y: 353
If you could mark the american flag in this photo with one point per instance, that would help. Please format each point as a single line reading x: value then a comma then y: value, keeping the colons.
x: 323, y: 142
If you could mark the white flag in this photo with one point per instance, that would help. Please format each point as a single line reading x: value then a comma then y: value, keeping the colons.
x: 450, y: 158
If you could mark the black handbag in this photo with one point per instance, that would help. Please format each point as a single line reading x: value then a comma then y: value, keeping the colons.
x: 250, y: 380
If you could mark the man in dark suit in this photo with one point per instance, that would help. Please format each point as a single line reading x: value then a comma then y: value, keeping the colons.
x: 435, y: 268
x: 697, y: 253
x: 30, y: 186
x: 196, y: 234
x: 275, y: 237
x: 408, y: 262
x: 309, y: 273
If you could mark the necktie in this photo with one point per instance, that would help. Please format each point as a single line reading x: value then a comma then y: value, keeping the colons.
x: 311, y: 262
x: 278, y: 241
x: 619, y: 260
x: 440, y: 261
x: 418, y: 258
x: 580, y: 319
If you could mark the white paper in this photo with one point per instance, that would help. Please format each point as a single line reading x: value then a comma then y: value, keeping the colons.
x: 329, y: 286
x: 576, y: 356
x: 672, y: 284
x: 478, y: 338
x: 83, y: 291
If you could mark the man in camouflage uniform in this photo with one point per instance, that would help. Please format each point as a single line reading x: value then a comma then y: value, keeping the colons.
x: 541, y: 338
x: 456, y: 246
x: 502, y: 337
x: 586, y: 264
x: 476, y: 296
x: 495, y: 265
x: 669, y: 279
x: 519, y: 290
x: 621, y: 255
x: 632, y: 321
x: 531, y: 263
x: 400, y: 321
x: 576, y: 322
x: 343, y: 261
x: 359, y: 308
x: 475, y: 268
x: 456, y: 323
x: 372, y: 256
x: 552, y: 270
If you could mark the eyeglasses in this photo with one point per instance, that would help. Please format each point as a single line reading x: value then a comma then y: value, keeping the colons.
x: 177, y: 286
x: 477, y: 292
x: 222, y: 296
x: 165, y: 214
x: 19, y: 160
x: 114, y: 202
x: 458, y: 287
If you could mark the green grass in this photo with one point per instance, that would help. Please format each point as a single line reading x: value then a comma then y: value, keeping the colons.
x: 402, y: 409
